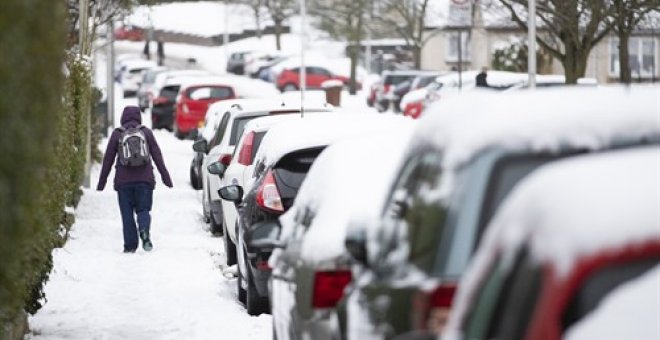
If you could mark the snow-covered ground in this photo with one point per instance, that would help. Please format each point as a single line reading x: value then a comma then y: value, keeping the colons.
x: 178, y: 291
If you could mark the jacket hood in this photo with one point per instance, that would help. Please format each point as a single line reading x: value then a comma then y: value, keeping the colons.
x: 131, y: 114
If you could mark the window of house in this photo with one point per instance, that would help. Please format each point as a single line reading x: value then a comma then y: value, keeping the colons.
x: 642, y: 56
x: 452, y: 46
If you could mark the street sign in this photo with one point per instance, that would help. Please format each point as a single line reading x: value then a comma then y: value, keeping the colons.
x: 460, y: 12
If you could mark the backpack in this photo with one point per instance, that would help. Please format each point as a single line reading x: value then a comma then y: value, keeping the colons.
x: 133, y: 148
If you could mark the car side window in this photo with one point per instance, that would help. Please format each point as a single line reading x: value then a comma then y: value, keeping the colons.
x: 220, y: 132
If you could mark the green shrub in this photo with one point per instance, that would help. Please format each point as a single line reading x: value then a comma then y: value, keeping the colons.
x: 43, y: 144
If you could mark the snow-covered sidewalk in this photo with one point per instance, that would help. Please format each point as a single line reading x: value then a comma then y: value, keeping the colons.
x: 178, y: 291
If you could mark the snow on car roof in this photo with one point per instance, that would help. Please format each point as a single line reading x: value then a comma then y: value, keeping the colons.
x: 266, y: 122
x: 138, y: 63
x: 320, y: 130
x: 613, y: 318
x: 569, y: 209
x: 541, y: 120
x: 355, y: 190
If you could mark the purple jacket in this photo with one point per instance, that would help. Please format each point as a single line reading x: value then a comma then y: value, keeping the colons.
x: 131, y: 117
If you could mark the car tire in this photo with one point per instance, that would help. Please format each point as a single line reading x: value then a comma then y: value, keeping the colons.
x: 289, y: 87
x: 194, y: 181
x: 241, y: 293
x: 254, y: 303
x: 216, y: 228
x: 177, y: 133
x: 230, y: 247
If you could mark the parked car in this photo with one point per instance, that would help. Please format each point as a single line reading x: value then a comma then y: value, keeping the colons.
x: 236, y: 62
x: 385, y: 95
x: 289, y: 79
x: 461, y: 164
x: 256, y: 61
x: 129, y: 32
x: 164, y: 105
x: 371, y: 97
x: 234, y: 115
x: 131, y: 73
x: 403, y: 88
x: 287, y: 152
x: 145, y: 92
x: 194, y: 99
x: 313, y: 265
x: 570, y: 243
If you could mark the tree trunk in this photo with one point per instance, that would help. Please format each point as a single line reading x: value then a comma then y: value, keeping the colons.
x: 417, y: 56
x: 355, y: 54
x: 278, y: 32
x: 257, y: 19
x: 625, y: 73
x: 575, y: 61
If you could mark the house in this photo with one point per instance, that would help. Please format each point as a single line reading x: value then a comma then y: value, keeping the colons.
x: 489, y: 32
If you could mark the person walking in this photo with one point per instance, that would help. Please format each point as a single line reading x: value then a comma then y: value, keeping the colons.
x: 134, y: 147
x: 146, y: 51
x: 160, y: 51
x: 481, y: 78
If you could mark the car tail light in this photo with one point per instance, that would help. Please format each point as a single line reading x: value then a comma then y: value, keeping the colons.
x: 431, y: 309
x: 245, y: 156
x: 268, y: 197
x: 329, y: 287
x: 185, y: 108
x: 225, y: 159
x: 263, y: 265
x: 161, y: 100
x: 386, y: 88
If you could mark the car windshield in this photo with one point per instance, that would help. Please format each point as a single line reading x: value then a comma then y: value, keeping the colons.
x: 170, y: 92
x: 396, y: 79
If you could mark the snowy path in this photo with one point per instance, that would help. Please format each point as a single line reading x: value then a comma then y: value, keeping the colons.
x: 178, y: 291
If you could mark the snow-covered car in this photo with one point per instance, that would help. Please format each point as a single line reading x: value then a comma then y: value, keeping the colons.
x: 306, y: 302
x: 236, y: 62
x: 384, y: 94
x: 281, y: 165
x: 131, y: 74
x: 234, y: 115
x: 462, y: 162
x: 254, y: 62
x: 572, y: 242
x: 145, y: 93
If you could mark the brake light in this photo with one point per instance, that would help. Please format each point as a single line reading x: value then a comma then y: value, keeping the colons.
x: 245, y: 156
x: 329, y: 287
x: 386, y: 88
x: 225, y: 159
x: 268, y: 197
x: 431, y: 309
x: 161, y: 100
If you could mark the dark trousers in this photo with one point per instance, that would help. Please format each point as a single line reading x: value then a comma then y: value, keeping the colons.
x: 135, y: 199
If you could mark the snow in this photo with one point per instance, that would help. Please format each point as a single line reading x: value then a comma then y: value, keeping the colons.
x: 543, y: 120
x: 338, y: 194
x: 320, y: 130
x: 332, y: 83
x: 570, y: 209
x: 414, y: 96
x: 640, y: 297
x: 180, y: 290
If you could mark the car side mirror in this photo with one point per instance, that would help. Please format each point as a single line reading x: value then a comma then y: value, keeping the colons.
x: 263, y: 237
x: 201, y: 146
x: 216, y: 168
x: 356, y: 244
x: 232, y: 193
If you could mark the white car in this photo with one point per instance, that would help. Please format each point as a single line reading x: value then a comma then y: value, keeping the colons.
x: 234, y: 115
x: 131, y: 74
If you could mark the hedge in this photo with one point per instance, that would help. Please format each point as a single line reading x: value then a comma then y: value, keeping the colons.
x: 43, y: 142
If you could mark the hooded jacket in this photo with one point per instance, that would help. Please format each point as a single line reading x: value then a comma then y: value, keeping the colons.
x: 130, y: 118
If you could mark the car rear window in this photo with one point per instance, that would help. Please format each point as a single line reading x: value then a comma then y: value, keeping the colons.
x: 170, y: 92
x: 237, y: 128
x: 397, y: 79
x: 209, y: 92
x: 258, y: 137
x: 291, y: 170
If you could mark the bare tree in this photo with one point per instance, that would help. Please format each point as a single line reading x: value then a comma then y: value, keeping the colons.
x: 570, y: 29
x: 344, y: 19
x: 407, y: 18
x: 279, y: 11
x: 626, y: 15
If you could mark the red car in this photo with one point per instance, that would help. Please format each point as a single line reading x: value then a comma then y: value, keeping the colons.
x: 289, y: 80
x: 192, y: 103
x: 414, y: 109
x: 129, y: 33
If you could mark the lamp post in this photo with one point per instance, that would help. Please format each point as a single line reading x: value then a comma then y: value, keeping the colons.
x: 531, y: 51
x: 303, y: 43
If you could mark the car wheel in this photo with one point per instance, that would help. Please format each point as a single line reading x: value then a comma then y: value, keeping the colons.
x: 194, y: 181
x: 290, y: 87
x: 255, y: 304
x: 230, y: 247
x: 177, y: 133
x: 242, y: 293
x: 216, y: 228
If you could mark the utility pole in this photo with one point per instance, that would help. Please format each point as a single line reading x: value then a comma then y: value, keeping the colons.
x: 225, y: 35
x: 110, y: 90
x: 531, y: 52
x: 303, y: 46
x: 83, y: 40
